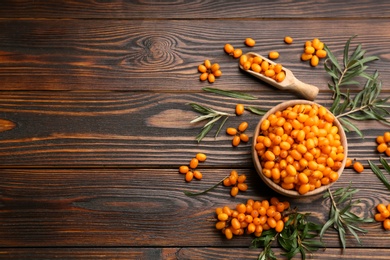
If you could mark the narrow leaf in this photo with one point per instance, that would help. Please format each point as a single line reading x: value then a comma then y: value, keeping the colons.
x: 229, y: 93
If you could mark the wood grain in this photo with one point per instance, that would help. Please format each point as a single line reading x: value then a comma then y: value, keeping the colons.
x: 126, y: 129
x: 147, y: 208
x: 207, y: 9
x: 136, y: 56
x: 177, y: 253
x: 95, y: 121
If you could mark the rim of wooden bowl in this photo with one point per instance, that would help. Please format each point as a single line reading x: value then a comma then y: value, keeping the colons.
x: 256, y: 160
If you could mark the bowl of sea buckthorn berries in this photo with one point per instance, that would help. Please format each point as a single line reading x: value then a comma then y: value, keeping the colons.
x: 299, y: 148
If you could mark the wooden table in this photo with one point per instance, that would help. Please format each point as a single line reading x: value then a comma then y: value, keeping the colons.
x: 95, y: 123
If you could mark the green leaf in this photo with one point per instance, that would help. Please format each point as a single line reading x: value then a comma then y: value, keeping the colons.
x: 348, y: 124
x: 228, y: 93
x: 220, y: 126
x: 204, y: 132
x: 379, y: 174
x: 257, y: 111
x: 332, y: 58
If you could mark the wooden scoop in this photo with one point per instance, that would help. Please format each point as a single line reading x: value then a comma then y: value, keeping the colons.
x: 289, y: 83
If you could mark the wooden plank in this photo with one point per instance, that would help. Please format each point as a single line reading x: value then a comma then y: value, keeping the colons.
x: 192, y: 10
x: 147, y: 207
x: 181, y: 253
x: 81, y: 129
x: 134, y: 55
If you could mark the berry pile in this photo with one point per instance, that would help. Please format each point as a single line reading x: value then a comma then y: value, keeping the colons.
x: 254, y: 217
x: 300, y: 148
x: 238, y: 134
x: 236, y: 182
x: 258, y: 65
x: 383, y: 215
x: 383, y: 143
x: 314, y: 51
x: 209, y: 71
x: 190, y: 171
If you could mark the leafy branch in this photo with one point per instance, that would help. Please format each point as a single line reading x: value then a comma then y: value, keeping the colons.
x: 298, y: 236
x: 379, y: 173
x: 366, y: 104
x: 190, y: 194
x: 213, y: 116
x: 341, y: 217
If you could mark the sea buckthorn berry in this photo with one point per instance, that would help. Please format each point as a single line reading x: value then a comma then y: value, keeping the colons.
x: 250, y: 42
x: 309, y: 50
x: 189, y: 176
x: 382, y: 147
x: 207, y: 64
x: 321, y: 54
x: 255, y: 67
x: 386, y: 136
x: 215, y: 67
x: 194, y: 163
x: 202, y: 68
x: 241, y: 178
x: 288, y: 40
x: 201, y: 157
x: 244, y: 137
x: 273, y: 55
x: 183, y: 169
x: 381, y: 207
x: 257, y: 60
x: 234, y: 191
x: 228, y: 48
x: 203, y: 76
x: 237, y: 53
x: 240, y: 109
x: 217, y: 73
x: 231, y: 131
x: 228, y: 233
x: 220, y: 225
x: 314, y: 61
x: 279, y: 226
x: 211, y: 78
x: 306, y: 56
x: 386, y: 224
x: 348, y: 162
x: 236, y: 140
x: 358, y: 167
x: 243, y: 59
x: 242, y: 186
x: 198, y: 175
x: 243, y: 126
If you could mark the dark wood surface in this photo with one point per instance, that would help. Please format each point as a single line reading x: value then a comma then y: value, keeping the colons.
x: 95, y: 121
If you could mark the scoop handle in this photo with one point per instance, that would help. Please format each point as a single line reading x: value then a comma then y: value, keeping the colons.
x: 307, y: 91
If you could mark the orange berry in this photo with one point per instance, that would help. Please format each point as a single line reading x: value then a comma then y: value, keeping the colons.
x: 279, y: 226
x: 386, y: 224
x: 273, y: 55
x: 189, y: 176
x: 183, y: 169
x: 243, y: 126
x: 237, y: 53
x: 198, y: 175
x: 194, y: 163
x: 358, y: 167
x: 203, y: 76
x: 240, y: 109
x: 236, y: 140
x: 228, y: 48
x: 250, y: 42
x: 234, y: 191
x: 288, y: 40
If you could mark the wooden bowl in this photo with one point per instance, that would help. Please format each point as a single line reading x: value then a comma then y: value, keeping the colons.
x: 277, y: 187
